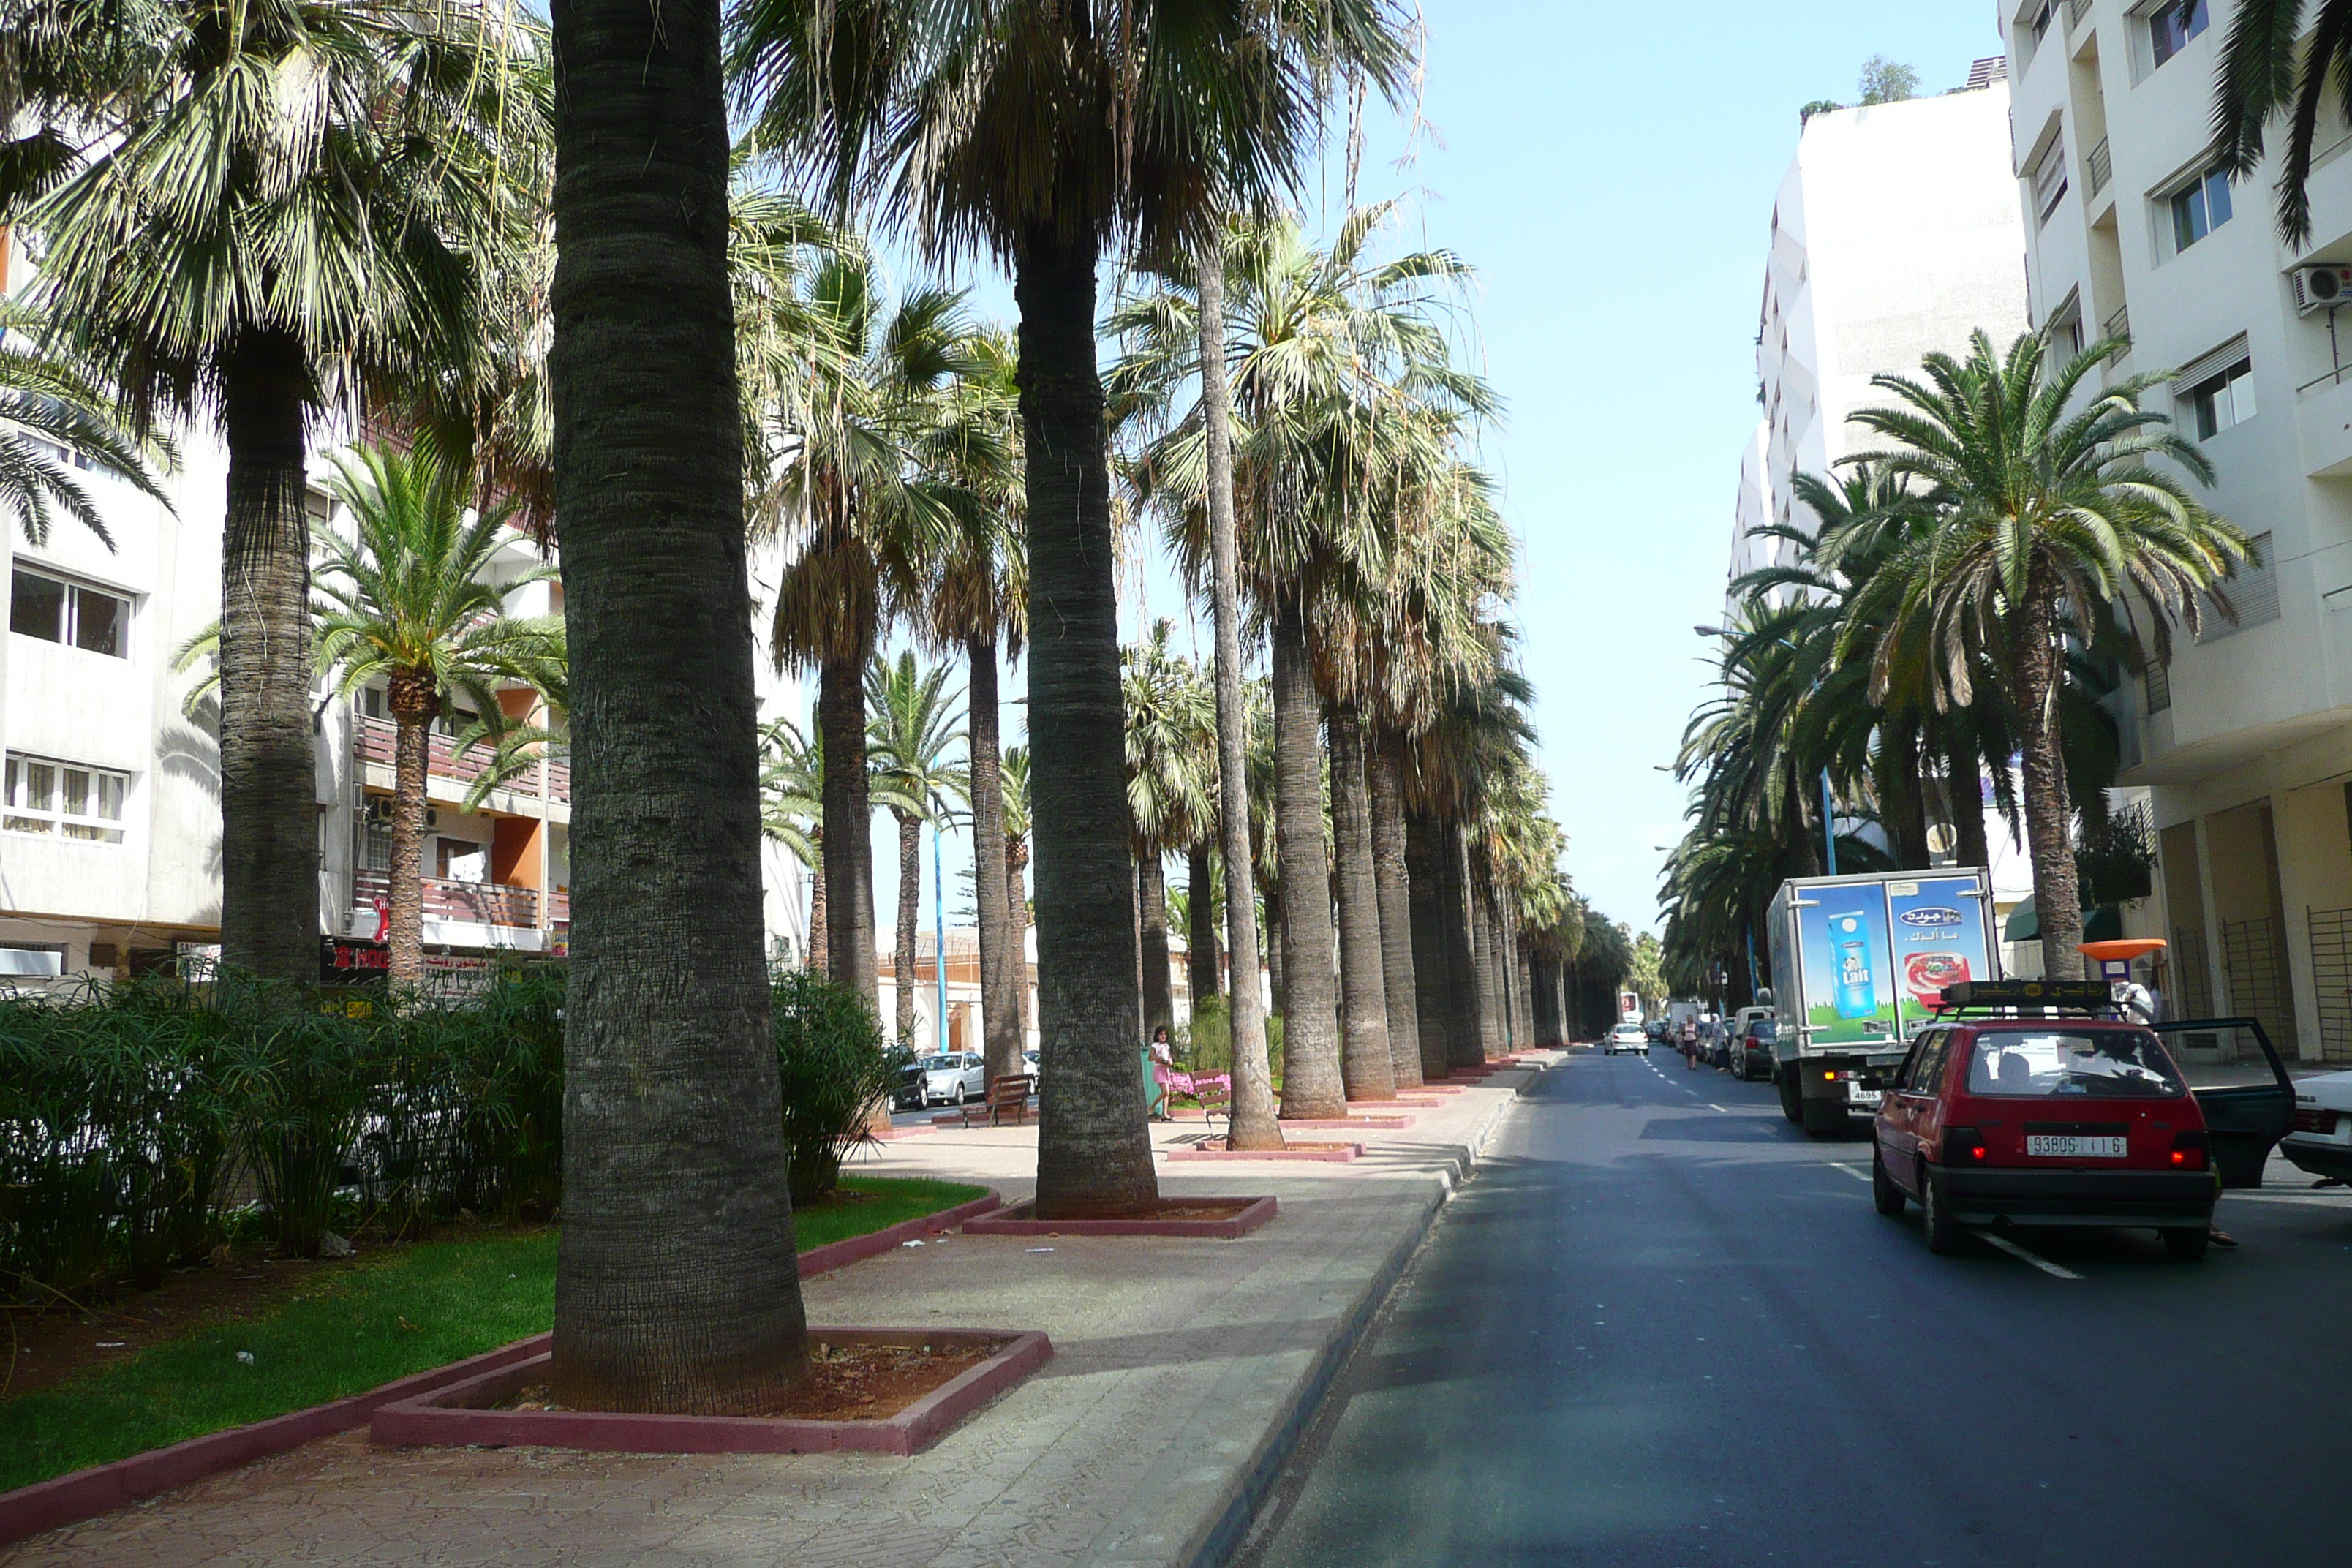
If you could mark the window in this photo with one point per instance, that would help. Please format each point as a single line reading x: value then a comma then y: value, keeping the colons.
x: 2170, y: 27
x: 2200, y: 209
x: 1925, y: 1073
x: 2049, y: 178
x: 2109, y: 1065
x: 57, y: 611
x: 372, y: 701
x: 62, y: 799
x: 371, y: 844
x: 2158, y: 679
x: 2222, y: 400
x: 2251, y: 591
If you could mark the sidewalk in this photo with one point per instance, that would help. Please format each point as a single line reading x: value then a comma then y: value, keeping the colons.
x: 1182, y: 1371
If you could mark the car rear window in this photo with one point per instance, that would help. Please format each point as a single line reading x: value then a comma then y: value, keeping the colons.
x: 2108, y: 1065
x: 1762, y: 1029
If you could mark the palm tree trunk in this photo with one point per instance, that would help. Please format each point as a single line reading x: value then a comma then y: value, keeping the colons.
x: 1464, y: 1034
x: 1543, y: 994
x: 269, y: 790
x: 1159, y: 999
x: 1016, y: 860
x: 903, y: 984
x: 2057, y: 901
x: 1364, y: 1060
x: 1964, y: 792
x: 1203, y: 972
x: 1486, y: 981
x: 849, y: 828
x: 1909, y: 810
x: 1277, y: 978
x: 1094, y: 1148
x: 1425, y: 883
x: 818, y: 943
x: 412, y: 750
x: 1000, y: 981
x: 1384, y: 783
x: 1312, y: 1084
x: 677, y: 1287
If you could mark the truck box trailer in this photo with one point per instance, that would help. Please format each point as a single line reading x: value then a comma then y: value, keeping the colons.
x: 1858, y: 964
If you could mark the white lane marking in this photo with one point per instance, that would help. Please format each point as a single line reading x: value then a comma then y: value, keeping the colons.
x: 2038, y: 1261
x: 1850, y: 1171
x: 1713, y: 1106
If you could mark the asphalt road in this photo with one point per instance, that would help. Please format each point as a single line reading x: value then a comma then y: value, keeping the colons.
x: 1662, y: 1327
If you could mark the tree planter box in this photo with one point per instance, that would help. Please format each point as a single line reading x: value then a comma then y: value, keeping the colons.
x: 1325, y: 1153
x: 1019, y: 1219
x: 460, y: 1415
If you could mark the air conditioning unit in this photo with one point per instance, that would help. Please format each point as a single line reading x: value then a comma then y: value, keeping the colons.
x: 2322, y: 288
x: 379, y: 809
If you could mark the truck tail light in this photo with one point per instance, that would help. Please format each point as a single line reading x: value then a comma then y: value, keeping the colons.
x: 2188, y: 1151
x: 1963, y: 1146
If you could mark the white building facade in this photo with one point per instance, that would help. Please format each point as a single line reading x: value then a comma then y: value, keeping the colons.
x: 110, y: 818
x: 2243, y: 739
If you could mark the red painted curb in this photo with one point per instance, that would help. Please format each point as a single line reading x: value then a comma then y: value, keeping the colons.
x: 84, y: 1493
x: 1438, y: 1086
x: 452, y: 1417
x: 1338, y: 1156
x: 1012, y: 1220
x: 1387, y: 1122
x: 895, y: 1134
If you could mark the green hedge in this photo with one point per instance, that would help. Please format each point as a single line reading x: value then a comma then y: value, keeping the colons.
x: 130, y: 1116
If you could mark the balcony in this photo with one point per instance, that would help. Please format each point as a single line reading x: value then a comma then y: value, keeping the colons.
x: 2076, y: 11
x: 473, y: 903
x: 2323, y: 416
x: 376, y: 740
x: 2099, y: 167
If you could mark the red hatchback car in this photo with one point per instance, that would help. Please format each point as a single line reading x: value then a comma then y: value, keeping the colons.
x: 2062, y: 1121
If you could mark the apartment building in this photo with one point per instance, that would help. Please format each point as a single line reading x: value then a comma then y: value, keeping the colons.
x: 109, y: 819
x: 2243, y: 739
x: 1895, y: 233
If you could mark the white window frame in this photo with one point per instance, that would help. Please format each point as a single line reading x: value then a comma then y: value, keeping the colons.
x: 2049, y: 178
x: 69, y: 627
x: 2148, y: 25
x: 2179, y: 190
x: 47, y: 816
x: 2219, y: 381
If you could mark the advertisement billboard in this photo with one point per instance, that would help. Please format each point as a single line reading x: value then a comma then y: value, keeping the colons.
x: 1938, y: 924
x: 1848, y: 957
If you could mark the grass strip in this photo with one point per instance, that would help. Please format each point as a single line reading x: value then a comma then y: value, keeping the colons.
x: 420, y: 1307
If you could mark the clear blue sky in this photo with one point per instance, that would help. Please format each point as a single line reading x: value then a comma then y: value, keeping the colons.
x: 1613, y: 182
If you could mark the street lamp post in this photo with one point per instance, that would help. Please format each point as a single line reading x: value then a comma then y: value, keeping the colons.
x: 1829, y: 804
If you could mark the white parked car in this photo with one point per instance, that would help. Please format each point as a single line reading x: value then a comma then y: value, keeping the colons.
x: 2320, y: 1138
x: 957, y: 1078
x: 1627, y: 1037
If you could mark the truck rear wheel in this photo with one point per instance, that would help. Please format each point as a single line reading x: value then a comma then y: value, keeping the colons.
x: 1791, y: 1105
x: 1822, y: 1118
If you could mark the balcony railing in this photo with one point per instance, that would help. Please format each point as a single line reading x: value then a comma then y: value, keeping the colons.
x: 480, y: 903
x: 2116, y: 326
x: 2076, y: 11
x: 377, y: 741
x: 2101, y: 167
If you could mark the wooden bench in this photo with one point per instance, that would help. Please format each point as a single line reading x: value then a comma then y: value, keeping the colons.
x: 1212, y: 1091
x: 1011, y: 1093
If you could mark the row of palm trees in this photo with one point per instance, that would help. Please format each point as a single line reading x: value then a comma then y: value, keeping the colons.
x: 1961, y: 608
x: 545, y: 256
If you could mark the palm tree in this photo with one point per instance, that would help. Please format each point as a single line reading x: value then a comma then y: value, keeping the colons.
x: 679, y: 1287
x: 410, y: 601
x: 791, y: 813
x: 2266, y: 70
x: 1047, y: 133
x: 54, y: 414
x: 1170, y: 721
x: 1013, y: 775
x: 261, y: 211
x: 2041, y: 520
x: 868, y: 499
x: 911, y: 728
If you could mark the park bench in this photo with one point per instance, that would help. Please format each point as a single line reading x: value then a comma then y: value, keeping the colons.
x: 1010, y: 1092
x: 1212, y: 1091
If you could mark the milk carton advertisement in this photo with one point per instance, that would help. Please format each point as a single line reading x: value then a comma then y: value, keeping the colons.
x: 1849, y: 963
x: 1939, y: 939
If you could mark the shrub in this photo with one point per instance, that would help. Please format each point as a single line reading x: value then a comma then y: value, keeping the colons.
x: 1209, y: 1037
x: 833, y: 1066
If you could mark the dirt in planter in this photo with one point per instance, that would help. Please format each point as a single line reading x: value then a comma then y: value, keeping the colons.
x: 848, y: 1382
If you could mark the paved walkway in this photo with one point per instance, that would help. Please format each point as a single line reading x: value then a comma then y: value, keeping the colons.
x: 1178, y: 1366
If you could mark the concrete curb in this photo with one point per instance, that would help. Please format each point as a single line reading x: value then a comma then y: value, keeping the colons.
x: 99, y: 1489
x: 1182, y: 1521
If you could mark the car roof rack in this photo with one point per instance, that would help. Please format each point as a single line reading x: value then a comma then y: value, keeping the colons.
x: 2093, y: 997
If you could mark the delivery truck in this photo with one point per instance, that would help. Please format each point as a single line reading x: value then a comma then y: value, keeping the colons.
x: 1858, y: 965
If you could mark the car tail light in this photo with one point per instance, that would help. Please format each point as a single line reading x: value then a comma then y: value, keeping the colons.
x: 2188, y: 1151
x: 1963, y: 1146
x: 2315, y: 1122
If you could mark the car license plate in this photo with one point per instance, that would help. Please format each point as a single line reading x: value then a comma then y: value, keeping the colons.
x: 1865, y: 1095
x: 2069, y: 1147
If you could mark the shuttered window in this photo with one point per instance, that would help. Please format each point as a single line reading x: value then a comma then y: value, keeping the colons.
x: 2253, y: 592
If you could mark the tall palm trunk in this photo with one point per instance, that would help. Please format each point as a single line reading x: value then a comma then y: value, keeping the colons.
x: 848, y: 827
x: 676, y: 1286
x: 1364, y: 1060
x: 910, y: 913
x: 2057, y: 901
x: 1254, y: 1112
x: 1312, y: 1084
x: 1277, y: 978
x: 1000, y: 983
x: 1543, y: 995
x: 1433, y: 974
x: 413, y: 702
x: 1203, y: 972
x: 1094, y: 1149
x: 1385, y: 784
x: 1964, y: 797
x: 1016, y: 898
x: 1487, y: 1032
x: 818, y: 946
x: 1152, y: 889
x: 268, y: 789
x: 1463, y: 1035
